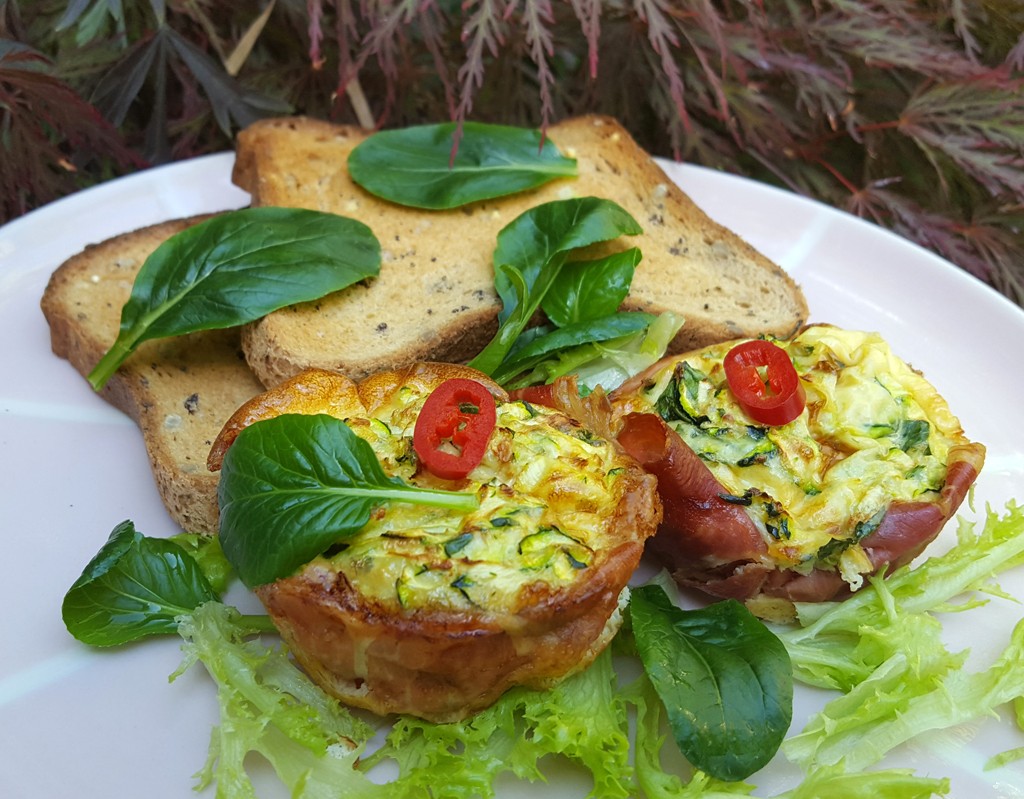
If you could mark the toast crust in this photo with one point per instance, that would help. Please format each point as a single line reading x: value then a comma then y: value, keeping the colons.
x: 179, y: 391
x: 434, y: 298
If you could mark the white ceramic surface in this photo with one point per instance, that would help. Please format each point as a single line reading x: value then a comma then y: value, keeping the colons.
x: 106, y: 724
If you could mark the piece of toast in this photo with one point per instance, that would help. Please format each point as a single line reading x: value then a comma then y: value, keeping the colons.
x: 180, y: 391
x: 434, y: 298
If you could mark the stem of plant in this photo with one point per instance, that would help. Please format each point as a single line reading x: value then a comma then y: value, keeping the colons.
x: 108, y: 364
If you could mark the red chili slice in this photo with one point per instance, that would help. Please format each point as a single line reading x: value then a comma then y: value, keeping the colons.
x: 453, y: 428
x: 762, y: 378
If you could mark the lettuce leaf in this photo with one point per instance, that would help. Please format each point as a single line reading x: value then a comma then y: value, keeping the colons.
x: 839, y: 644
x: 582, y: 718
x: 605, y: 363
x: 883, y: 649
x: 900, y: 701
x: 835, y: 783
x: 269, y: 707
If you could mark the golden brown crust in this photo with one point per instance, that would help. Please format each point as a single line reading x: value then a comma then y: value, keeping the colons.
x: 434, y: 661
x: 440, y: 667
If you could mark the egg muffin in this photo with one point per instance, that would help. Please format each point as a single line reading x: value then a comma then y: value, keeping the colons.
x: 860, y: 481
x: 436, y: 612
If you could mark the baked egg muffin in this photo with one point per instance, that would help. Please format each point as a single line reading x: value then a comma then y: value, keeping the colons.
x: 860, y: 480
x: 436, y: 612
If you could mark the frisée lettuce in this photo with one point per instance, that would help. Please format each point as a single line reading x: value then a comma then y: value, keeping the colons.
x: 881, y: 650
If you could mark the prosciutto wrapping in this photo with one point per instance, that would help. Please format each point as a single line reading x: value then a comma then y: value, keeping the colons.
x: 860, y: 483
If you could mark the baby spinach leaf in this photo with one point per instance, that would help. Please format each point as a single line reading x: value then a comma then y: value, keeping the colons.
x: 206, y: 551
x: 236, y: 267
x: 415, y: 166
x: 293, y: 485
x: 591, y: 289
x: 724, y: 678
x: 135, y: 586
x: 531, y: 251
x: 555, y: 340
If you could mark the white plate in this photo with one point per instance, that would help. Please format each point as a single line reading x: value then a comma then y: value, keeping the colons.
x: 92, y: 724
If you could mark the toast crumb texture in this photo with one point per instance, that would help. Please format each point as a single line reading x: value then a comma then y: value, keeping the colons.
x: 434, y: 298
x: 179, y: 391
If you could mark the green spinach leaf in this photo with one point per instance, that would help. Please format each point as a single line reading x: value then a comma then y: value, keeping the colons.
x: 415, y: 166
x: 293, y: 485
x: 590, y: 289
x: 206, y: 551
x: 530, y: 253
x: 135, y: 586
x: 724, y: 678
x: 607, y: 363
x: 235, y: 268
x: 543, y: 346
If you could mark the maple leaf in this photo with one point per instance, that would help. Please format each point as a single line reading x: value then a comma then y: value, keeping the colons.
x: 977, y: 124
x: 908, y: 113
x: 148, y: 62
x: 483, y: 32
x: 51, y: 135
x: 537, y: 18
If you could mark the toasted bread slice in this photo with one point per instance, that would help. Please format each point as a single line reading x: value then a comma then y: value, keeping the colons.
x: 434, y: 298
x: 179, y: 391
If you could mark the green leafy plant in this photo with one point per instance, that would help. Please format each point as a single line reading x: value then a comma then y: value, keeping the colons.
x: 723, y: 677
x: 269, y: 706
x: 908, y: 114
x: 531, y: 256
x: 293, y: 485
x: 51, y: 136
x: 135, y: 586
x: 236, y: 267
x: 439, y: 166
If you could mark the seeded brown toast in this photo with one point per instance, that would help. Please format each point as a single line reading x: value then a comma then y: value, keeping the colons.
x: 434, y: 298
x: 179, y: 391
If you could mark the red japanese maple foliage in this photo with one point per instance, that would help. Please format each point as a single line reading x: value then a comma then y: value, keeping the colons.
x: 907, y: 113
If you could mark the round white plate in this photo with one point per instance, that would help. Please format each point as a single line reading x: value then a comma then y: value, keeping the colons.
x: 103, y: 724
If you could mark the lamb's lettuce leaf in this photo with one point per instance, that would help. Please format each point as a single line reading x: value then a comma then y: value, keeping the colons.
x: 446, y: 165
x: 236, y: 267
x: 530, y: 257
x: 134, y: 586
x: 591, y: 289
x: 724, y: 679
x: 651, y: 776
